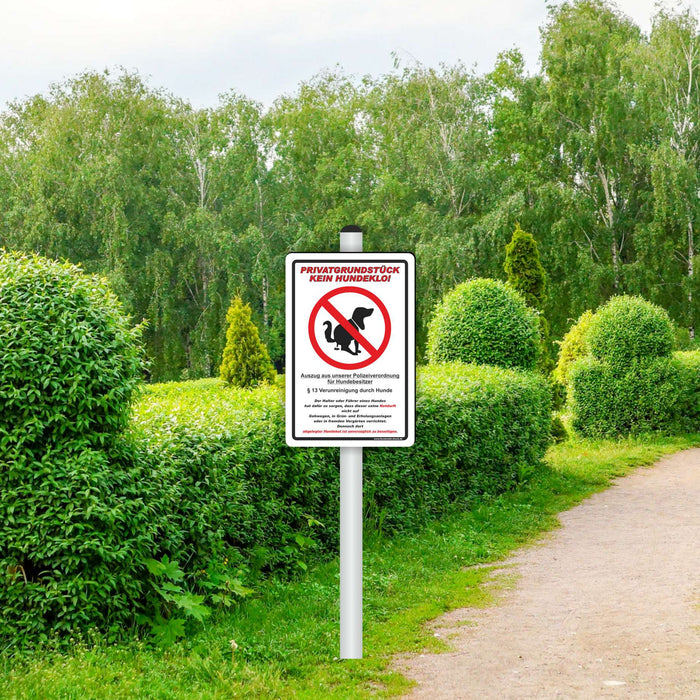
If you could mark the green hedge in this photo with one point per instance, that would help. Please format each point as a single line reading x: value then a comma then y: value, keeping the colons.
x: 687, y: 364
x: 626, y: 380
x: 649, y: 395
x: 204, y: 475
x: 474, y: 427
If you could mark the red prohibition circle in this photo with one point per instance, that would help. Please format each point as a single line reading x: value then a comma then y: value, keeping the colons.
x: 312, y: 331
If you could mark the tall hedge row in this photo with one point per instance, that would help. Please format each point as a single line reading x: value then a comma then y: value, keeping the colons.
x: 474, y: 427
x: 204, y: 474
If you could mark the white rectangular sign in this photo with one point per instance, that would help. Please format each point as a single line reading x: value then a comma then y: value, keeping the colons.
x: 350, y: 349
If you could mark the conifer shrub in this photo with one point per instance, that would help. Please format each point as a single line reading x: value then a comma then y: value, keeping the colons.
x: 523, y: 268
x: 484, y: 322
x: 558, y: 430
x: 246, y: 362
x: 72, y: 512
x: 573, y: 346
x: 525, y: 274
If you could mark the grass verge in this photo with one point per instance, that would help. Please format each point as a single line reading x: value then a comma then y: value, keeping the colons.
x: 288, y: 633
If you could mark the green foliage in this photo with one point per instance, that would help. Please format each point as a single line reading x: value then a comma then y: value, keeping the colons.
x: 230, y: 483
x: 607, y: 400
x: 484, y: 322
x: 71, y: 511
x: 70, y: 361
x: 687, y: 365
x: 246, y: 362
x: 573, y: 347
x: 627, y: 329
x: 523, y: 268
x: 174, y: 605
x: 178, y: 207
x: 559, y: 433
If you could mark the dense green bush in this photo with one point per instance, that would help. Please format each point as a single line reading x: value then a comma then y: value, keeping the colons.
x: 610, y: 401
x: 484, y: 322
x: 629, y: 328
x: 687, y: 364
x: 70, y: 361
x: 629, y: 383
x: 72, y: 516
x: 573, y: 346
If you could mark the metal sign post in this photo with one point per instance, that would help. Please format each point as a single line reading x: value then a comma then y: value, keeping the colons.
x: 350, y: 379
x: 351, y: 519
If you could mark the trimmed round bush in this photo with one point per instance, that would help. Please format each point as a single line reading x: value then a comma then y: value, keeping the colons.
x: 73, y: 520
x: 484, y: 322
x: 70, y: 361
x: 630, y: 328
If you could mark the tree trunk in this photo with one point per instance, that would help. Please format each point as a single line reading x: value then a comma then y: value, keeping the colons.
x: 609, y: 220
x: 265, y: 284
x: 691, y: 253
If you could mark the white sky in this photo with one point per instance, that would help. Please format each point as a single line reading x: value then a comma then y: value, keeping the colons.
x: 198, y: 49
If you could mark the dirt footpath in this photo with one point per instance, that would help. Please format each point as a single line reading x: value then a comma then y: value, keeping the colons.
x: 608, y: 606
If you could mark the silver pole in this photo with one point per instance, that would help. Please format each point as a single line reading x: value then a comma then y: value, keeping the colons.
x: 351, y: 520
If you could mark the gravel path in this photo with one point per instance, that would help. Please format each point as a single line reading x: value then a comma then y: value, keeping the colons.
x: 607, y: 606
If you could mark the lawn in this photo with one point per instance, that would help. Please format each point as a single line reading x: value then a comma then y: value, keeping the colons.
x: 287, y: 633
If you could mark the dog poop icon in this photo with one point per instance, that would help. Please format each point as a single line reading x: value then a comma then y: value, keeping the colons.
x: 341, y: 337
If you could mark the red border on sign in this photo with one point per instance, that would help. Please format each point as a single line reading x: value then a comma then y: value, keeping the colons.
x: 324, y: 302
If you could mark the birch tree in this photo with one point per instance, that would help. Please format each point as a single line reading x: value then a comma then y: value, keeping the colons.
x: 594, y: 120
x: 668, y: 71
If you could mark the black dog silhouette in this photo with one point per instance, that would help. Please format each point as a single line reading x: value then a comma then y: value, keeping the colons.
x: 341, y: 337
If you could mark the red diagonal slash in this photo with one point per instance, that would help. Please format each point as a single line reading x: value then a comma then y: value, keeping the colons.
x: 354, y: 332
x: 372, y: 354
